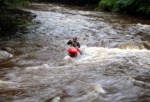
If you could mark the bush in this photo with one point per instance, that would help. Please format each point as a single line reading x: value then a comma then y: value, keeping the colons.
x: 126, y: 6
x: 15, y: 2
x: 107, y: 5
x: 73, y: 2
x: 133, y: 6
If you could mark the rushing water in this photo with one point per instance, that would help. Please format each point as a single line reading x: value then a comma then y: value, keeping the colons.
x: 114, y: 67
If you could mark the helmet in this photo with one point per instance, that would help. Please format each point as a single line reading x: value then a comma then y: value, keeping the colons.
x: 75, y: 38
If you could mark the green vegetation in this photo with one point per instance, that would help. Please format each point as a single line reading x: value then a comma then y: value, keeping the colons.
x: 14, y: 2
x: 107, y: 5
x: 133, y: 7
x: 73, y: 2
x: 13, y: 19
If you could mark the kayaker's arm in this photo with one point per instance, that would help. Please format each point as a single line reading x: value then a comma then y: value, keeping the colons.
x: 78, y: 44
x: 69, y: 42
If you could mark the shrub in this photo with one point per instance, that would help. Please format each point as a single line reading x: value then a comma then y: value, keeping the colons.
x: 126, y: 6
x: 107, y: 5
x: 16, y: 2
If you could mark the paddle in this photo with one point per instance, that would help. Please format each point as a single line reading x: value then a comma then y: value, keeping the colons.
x: 77, y: 47
x: 80, y: 52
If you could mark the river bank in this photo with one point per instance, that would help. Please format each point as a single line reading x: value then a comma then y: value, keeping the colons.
x: 12, y: 20
x: 138, y: 8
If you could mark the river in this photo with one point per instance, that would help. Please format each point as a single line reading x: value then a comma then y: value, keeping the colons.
x: 114, y: 67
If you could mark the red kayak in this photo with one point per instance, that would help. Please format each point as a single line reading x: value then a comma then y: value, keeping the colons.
x: 73, y: 51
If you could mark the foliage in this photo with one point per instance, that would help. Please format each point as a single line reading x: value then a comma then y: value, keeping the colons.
x: 107, y: 5
x: 12, y: 19
x: 73, y: 2
x: 14, y: 2
x: 126, y: 6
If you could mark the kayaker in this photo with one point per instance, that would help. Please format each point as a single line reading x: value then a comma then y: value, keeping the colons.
x: 74, y: 42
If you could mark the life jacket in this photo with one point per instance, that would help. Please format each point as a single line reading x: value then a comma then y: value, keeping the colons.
x: 74, y: 44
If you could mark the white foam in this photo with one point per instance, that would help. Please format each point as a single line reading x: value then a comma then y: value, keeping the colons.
x: 66, y: 60
x: 5, y: 55
x: 89, y: 97
x: 143, y: 27
x: 139, y: 83
x: 43, y: 66
x: 95, y: 54
x: 56, y: 99
x: 5, y: 82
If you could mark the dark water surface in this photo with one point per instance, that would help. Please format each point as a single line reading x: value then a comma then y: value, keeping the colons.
x: 114, y: 67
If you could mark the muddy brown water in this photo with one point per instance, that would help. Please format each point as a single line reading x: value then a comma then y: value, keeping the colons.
x: 114, y: 67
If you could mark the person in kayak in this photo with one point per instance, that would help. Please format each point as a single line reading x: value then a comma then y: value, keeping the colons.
x: 74, y: 42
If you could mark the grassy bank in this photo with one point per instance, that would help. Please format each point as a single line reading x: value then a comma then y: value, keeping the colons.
x: 132, y: 7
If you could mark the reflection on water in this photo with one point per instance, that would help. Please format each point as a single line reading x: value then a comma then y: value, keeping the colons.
x: 114, y: 67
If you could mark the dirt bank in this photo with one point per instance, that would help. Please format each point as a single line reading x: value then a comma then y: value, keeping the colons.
x: 13, y: 20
